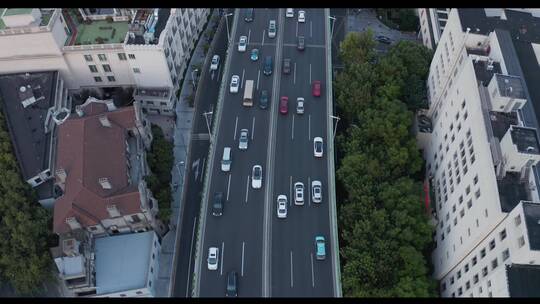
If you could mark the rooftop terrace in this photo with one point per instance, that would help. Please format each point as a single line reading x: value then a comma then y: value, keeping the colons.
x: 511, y: 191
x: 94, y: 32
x: 525, y: 140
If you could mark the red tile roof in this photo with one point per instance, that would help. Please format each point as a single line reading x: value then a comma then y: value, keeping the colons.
x: 88, y: 151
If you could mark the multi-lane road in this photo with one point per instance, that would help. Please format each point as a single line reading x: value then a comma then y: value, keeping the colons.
x: 273, y: 257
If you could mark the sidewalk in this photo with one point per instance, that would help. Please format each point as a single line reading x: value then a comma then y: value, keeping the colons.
x: 182, y: 133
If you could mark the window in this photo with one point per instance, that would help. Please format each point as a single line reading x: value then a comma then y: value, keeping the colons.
x: 151, y: 269
x: 465, y: 115
x: 88, y: 58
x: 131, y: 56
x: 122, y: 56
x: 489, y: 283
x: 502, y: 234
x: 460, y: 291
x: 107, y: 68
x: 468, y: 285
x: 452, y: 280
x: 92, y: 68
x: 93, y: 228
x: 163, y: 103
x: 485, y: 213
x: 483, y: 253
x: 463, y: 104
x: 469, y: 204
x: 521, y: 241
x: 484, y: 271
x: 459, y: 274
x: 153, y: 256
x: 517, y: 220
x: 467, y: 267
x: 474, y: 260
x: 102, y: 57
x: 468, y: 190
x: 149, y: 283
x: 505, y: 254
x: 111, y: 78
x: 494, y: 264
x: 135, y: 218
x: 443, y: 286
x: 136, y: 70
x: 475, y: 279
x: 454, y: 208
x: 455, y: 221
x: 460, y: 199
x: 97, y: 79
x: 122, y: 294
x: 462, y: 213
x: 139, y: 292
x: 475, y: 180
x: 492, y: 244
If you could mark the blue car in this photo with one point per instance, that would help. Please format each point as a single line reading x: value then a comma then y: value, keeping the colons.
x: 255, y: 54
x: 320, y: 246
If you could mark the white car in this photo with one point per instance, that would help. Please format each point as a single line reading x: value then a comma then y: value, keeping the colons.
x: 300, y: 105
x: 215, y: 63
x: 235, y: 83
x: 242, y: 44
x: 272, y: 29
x: 243, y: 140
x: 256, y: 177
x: 289, y: 13
x: 301, y: 16
x: 318, y: 146
x: 282, y: 206
x: 298, y: 193
x: 316, y: 191
x: 213, y: 258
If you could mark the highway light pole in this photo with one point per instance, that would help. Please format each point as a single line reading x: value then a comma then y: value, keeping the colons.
x: 208, y: 124
x: 227, y: 23
x: 332, y: 30
x: 335, y: 126
x: 181, y: 163
x: 193, y: 78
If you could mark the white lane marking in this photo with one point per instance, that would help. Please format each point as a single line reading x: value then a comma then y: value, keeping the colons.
x: 228, y: 186
x: 310, y: 29
x: 218, y: 71
x: 222, y: 254
x: 195, y: 168
x: 291, y: 271
x: 264, y: 34
x: 190, y: 251
x: 249, y: 36
x: 312, y: 272
x: 202, y: 168
x: 292, y: 129
x: 296, y: 29
x: 309, y: 127
x: 290, y: 190
x: 252, y: 127
x: 242, y: 80
x: 258, y: 77
x: 310, y: 73
x: 242, y: 270
x: 247, y: 188
x: 294, y: 78
x: 309, y: 190
x: 235, y: 127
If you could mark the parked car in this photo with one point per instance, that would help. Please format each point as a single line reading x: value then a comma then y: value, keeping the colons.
x: 302, y: 16
x: 286, y: 66
x: 243, y: 140
x: 256, y: 177
x: 235, y: 83
x: 248, y: 14
x: 284, y: 105
x: 217, y: 205
x: 320, y: 246
x: 383, y: 39
x: 232, y: 284
x: 272, y: 29
x: 263, y: 100
x: 213, y: 258
x: 318, y: 146
x: 316, y: 88
x: 300, y: 43
x: 298, y: 193
x: 215, y: 63
x: 268, y: 66
x: 242, y: 44
x: 316, y: 191
x: 282, y: 206
x: 254, y: 55
x: 289, y: 13
x: 300, y: 105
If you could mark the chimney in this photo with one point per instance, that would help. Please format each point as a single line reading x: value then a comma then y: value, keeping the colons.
x: 113, y: 211
x: 79, y: 110
x: 104, y: 182
x: 104, y: 121
x: 61, y: 175
x: 73, y: 223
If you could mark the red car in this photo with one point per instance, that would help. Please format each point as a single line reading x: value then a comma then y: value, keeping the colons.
x: 284, y: 105
x: 316, y: 88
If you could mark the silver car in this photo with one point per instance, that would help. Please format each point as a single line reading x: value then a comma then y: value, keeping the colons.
x: 282, y: 206
x: 243, y: 140
x: 316, y: 191
x: 272, y: 29
x: 242, y: 44
x: 300, y: 105
x: 213, y: 258
x: 256, y: 177
x: 298, y: 193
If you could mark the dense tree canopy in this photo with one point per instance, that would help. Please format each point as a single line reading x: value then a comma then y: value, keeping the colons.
x: 383, y: 226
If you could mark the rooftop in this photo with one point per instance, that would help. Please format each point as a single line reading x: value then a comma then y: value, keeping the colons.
x: 501, y: 122
x: 532, y: 219
x: 27, y: 124
x: 146, y: 24
x: 510, y: 86
x: 511, y: 191
x: 17, y: 11
x: 525, y: 139
x: 122, y: 261
x: 95, y: 32
x: 484, y: 72
x: 523, y: 280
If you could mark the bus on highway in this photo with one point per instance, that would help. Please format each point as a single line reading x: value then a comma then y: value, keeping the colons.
x: 248, y: 94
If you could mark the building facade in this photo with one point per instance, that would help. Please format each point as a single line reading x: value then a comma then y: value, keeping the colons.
x: 479, y: 138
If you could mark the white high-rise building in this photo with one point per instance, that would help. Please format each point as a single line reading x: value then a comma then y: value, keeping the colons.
x: 480, y: 141
x: 432, y: 22
x: 147, y: 49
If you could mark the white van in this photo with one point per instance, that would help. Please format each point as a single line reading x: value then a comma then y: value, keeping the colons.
x: 226, y: 160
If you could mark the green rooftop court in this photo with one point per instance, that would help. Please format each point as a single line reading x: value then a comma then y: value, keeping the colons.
x: 101, y: 32
x: 17, y: 11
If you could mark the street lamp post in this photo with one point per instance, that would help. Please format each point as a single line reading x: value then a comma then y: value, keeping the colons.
x: 193, y: 77
x: 227, y: 23
x: 181, y: 163
x: 208, y: 124
x: 332, y: 29
x: 335, y: 126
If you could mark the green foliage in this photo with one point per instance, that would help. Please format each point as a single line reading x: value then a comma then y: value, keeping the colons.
x: 160, y: 159
x: 383, y: 226
x: 25, y: 262
x: 403, y: 19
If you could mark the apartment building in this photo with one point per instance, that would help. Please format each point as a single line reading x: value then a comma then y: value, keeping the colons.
x: 147, y: 49
x: 432, y: 22
x: 479, y: 138
x: 34, y: 104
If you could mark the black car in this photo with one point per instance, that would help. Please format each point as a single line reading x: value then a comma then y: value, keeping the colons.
x: 383, y: 39
x: 217, y: 205
x: 263, y: 100
x: 232, y: 284
x: 248, y: 15
x: 300, y: 43
x: 268, y: 66
x: 286, y: 66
